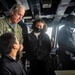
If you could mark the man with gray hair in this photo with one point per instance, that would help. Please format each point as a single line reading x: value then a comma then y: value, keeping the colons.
x: 10, y: 24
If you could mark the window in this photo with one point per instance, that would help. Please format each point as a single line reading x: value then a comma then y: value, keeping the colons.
x: 49, y: 31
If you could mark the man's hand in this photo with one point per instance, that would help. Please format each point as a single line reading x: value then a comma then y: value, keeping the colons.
x: 21, y: 47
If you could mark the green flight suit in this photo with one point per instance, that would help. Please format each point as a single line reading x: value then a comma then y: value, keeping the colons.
x: 5, y: 27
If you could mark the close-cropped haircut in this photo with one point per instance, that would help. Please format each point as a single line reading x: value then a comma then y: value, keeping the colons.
x: 39, y: 20
x: 16, y: 6
x: 70, y: 18
x: 6, y: 42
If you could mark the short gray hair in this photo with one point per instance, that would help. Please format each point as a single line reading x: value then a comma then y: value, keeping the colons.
x: 16, y: 6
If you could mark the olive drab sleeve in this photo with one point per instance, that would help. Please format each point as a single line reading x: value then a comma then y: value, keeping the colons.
x: 5, y: 27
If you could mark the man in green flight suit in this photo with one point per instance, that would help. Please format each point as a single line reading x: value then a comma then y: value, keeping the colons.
x: 10, y: 24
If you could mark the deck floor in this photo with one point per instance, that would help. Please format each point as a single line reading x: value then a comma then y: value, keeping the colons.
x: 65, y: 72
